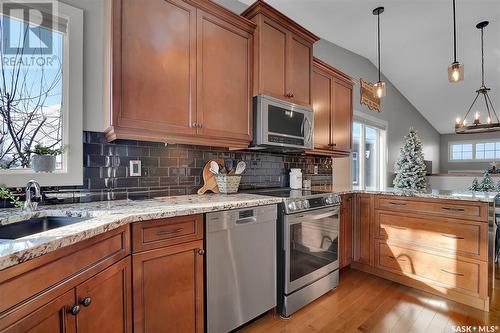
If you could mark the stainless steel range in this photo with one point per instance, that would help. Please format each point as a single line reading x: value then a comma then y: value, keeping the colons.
x: 307, y: 254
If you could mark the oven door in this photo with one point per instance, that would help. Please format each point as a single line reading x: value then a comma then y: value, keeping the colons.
x: 284, y: 124
x: 311, y: 242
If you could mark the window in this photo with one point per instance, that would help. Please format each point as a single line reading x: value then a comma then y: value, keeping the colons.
x: 41, y: 96
x: 479, y: 151
x: 368, y: 156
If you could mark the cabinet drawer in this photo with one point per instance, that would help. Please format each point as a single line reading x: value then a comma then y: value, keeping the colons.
x: 451, y: 273
x: 467, y: 209
x: 165, y: 232
x: 442, y: 234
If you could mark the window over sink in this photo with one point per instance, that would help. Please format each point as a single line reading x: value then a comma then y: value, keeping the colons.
x: 40, y: 90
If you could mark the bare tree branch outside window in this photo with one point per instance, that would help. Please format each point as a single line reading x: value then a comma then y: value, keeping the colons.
x: 30, y: 93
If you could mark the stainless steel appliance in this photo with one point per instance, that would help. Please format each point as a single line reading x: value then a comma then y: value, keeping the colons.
x: 281, y: 124
x: 241, y: 266
x: 308, y: 236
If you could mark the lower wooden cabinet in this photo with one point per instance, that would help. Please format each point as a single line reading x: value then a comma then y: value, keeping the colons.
x: 363, y: 225
x: 105, y: 300
x: 51, y: 317
x: 345, y: 246
x: 168, y: 280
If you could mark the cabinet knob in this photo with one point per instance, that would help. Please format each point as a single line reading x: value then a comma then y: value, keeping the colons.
x: 194, y: 125
x: 201, y: 252
x: 86, y: 301
x: 332, y: 144
x: 289, y: 95
x: 200, y: 125
x: 74, y: 310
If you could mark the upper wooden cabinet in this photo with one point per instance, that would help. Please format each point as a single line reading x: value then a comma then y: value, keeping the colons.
x: 333, y: 109
x: 182, y: 75
x: 283, y: 55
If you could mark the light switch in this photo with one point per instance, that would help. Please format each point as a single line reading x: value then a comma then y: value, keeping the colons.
x: 135, y: 168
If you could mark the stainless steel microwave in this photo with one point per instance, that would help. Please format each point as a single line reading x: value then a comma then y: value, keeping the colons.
x: 281, y: 124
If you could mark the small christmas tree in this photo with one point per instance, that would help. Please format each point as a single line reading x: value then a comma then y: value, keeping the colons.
x: 487, y: 183
x: 475, y: 185
x: 410, y: 168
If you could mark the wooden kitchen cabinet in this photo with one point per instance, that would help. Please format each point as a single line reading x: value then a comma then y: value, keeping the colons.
x: 183, y: 75
x: 282, y: 55
x: 168, y: 280
x: 51, y: 317
x: 363, y: 225
x: 47, y: 293
x: 333, y: 110
x: 105, y: 300
x: 346, y: 226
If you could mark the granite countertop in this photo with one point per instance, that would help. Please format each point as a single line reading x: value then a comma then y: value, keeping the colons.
x: 430, y: 193
x: 107, y: 215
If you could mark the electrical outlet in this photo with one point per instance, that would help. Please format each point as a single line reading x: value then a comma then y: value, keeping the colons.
x: 135, y: 168
x: 316, y: 170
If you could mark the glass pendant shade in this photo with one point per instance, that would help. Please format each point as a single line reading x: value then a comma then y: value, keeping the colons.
x: 379, y: 89
x: 456, y: 72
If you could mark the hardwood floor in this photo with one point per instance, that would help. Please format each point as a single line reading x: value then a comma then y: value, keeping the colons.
x: 366, y: 303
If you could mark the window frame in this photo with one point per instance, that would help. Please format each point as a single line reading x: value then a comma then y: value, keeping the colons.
x: 382, y: 128
x: 473, y: 143
x: 72, y: 172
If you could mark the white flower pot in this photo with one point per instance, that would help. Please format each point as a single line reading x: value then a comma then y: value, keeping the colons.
x: 43, y: 163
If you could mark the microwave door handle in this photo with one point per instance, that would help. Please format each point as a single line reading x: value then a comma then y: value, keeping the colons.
x: 303, y: 126
x: 309, y: 134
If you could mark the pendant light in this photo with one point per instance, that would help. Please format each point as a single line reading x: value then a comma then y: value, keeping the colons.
x: 379, y: 91
x: 492, y: 122
x: 456, y: 69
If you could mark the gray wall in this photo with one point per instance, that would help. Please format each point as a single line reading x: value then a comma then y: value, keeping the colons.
x: 397, y: 111
x: 447, y: 166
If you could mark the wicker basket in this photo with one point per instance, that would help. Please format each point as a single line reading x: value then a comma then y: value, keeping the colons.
x: 228, y: 183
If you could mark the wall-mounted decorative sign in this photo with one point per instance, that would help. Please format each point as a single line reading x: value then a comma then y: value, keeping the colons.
x: 367, y: 95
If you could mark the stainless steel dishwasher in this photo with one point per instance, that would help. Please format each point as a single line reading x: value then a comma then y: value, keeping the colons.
x: 241, y: 266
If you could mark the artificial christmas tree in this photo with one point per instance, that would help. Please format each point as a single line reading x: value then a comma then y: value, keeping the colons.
x: 487, y: 183
x: 475, y: 185
x: 410, y: 167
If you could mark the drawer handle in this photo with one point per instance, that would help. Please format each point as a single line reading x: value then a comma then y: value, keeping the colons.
x: 452, y: 273
x: 452, y: 236
x: 396, y: 227
x: 74, y: 310
x: 86, y: 301
x: 168, y: 232
x: 397, y: 203
x: 454, y: 209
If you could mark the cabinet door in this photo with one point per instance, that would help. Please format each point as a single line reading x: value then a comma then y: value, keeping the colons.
x: 52, y: 317
x: 363, y: 233
x: 155, y: 64
x: 105, y: 300
x: 224, y: 79
x: 168, y: 289
x: 322, y: 100
x: 342, y: 116
x: 346, y: 231
x: 299, y: 71
x: 273, y: 59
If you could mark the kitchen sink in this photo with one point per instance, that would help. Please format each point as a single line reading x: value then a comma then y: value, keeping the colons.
x: 36, y: 225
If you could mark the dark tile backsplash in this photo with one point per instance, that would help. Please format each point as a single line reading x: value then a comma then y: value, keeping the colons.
x: 173, y: 169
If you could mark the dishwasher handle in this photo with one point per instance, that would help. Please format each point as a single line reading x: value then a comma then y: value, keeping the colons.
x: 245, y: 220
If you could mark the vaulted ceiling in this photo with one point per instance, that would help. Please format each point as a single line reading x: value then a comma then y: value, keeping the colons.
x: 416, y: 46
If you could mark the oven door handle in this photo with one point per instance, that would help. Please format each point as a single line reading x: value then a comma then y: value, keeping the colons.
x: 299, y: 218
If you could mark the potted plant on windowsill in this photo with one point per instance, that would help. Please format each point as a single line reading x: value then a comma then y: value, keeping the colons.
x: 43, y: 159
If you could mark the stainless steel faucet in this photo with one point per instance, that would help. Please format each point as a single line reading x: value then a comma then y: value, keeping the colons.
x: 30, y: 206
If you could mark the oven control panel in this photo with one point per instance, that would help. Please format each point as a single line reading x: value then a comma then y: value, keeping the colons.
x: 302, y: 204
